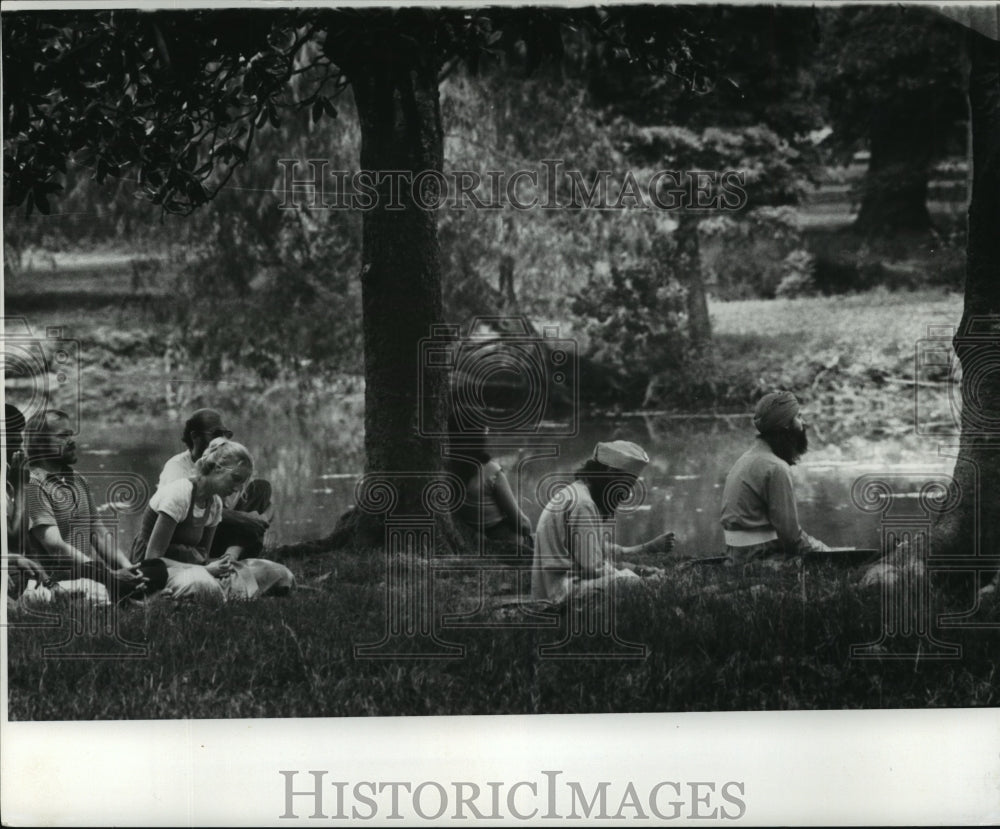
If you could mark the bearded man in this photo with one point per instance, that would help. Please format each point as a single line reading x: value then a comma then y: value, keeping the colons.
x: 65, y: 534
x: 759, y: 516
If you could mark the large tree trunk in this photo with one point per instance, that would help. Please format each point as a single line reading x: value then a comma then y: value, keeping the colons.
x: 974, y: 527
x: 895, y: 187
x: 396, y: 90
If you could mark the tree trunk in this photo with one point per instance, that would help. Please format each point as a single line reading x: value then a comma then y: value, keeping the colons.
x: 689, y: 272
x: 974, y: 527
x: 396, y: 91
x: 895, y: 187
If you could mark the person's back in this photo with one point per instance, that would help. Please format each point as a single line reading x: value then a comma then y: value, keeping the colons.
x: 558, y: 562
x: 758, y: 514
x: 756, y: 477
x: 480, y: 507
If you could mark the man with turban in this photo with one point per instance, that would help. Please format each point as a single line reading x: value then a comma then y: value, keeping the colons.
x: 759, y: 517
x: 574, y: 548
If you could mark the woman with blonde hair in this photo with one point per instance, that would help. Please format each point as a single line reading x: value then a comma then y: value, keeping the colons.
x: 180, y: 522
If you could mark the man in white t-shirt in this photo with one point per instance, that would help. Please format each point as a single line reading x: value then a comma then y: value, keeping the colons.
x: 245, y: 516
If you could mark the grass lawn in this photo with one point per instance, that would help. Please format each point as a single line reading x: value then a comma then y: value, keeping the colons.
x: 715, y: 639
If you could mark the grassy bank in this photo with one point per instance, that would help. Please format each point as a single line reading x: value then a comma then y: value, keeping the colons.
x: 715, y: 639
x: 850, y: 356
x: 851, y: 359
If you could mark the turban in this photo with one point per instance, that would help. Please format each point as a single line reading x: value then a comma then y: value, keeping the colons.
x: 623, y: 455
x: 775, y: 411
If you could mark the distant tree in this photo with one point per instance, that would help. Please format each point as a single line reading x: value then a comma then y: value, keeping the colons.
x: 752, y: 109
x: 892, y: 80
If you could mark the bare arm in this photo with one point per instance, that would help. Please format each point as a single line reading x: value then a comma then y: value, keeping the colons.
x: 32, y: 568
x: 160, y: 537
x: 508, y: 504
x: 662, y: 543
x: 220, y: 566
x: 51, y: 539
x: 252, y: 521
x: 207, y: 537
x: 101, y: 540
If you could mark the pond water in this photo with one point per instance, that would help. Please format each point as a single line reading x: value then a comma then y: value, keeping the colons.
x: 314, y: 475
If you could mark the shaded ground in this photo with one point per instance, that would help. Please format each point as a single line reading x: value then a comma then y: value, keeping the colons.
x: 714, y: 638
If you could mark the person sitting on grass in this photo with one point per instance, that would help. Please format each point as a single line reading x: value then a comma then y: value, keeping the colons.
x: 759, y: 516
x: 489, y: 504
x: 21, y: 570
x: 575, y: 553
x: 179, y: 525
x: 66, y: 539
x: 247, y: 513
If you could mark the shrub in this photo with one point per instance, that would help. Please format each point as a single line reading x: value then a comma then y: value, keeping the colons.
x: 636, y: 322
x: 751, y: 257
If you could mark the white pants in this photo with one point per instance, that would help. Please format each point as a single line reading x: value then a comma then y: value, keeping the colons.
x: 89, y: 590
x: 250, y: 578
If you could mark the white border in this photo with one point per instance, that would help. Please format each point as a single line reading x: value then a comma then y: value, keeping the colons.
x: 856, y: 768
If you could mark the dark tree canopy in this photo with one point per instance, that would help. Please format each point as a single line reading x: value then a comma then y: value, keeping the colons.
x: 177, y: 98
x: 892, y: 81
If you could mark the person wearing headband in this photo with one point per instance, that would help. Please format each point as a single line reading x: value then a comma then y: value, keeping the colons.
x: 759, y: 515
x: 574, y: 548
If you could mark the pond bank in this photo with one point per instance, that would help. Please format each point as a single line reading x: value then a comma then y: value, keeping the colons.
x: 850, y: 358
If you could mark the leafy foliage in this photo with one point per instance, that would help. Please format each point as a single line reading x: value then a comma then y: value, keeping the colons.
x: 272, y: 288
x: 889, y: 62
x: 635, y: 320
x: 176, y: 97
x: 762, y: 254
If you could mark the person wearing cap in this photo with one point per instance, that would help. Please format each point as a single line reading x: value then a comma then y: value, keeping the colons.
x: 245, y: 515
x: 759, y: 516
x: 574, y: 549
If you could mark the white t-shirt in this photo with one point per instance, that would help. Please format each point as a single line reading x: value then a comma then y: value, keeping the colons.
x: 174, y: 500
x: 182, y: 466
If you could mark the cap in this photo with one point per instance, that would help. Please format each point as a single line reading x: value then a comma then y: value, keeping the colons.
x: 622, y: 454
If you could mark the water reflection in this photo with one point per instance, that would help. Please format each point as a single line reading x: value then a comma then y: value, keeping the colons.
x: 313, y: 468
